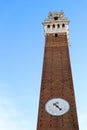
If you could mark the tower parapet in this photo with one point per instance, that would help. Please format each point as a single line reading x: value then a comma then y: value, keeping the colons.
x: 56, y: 23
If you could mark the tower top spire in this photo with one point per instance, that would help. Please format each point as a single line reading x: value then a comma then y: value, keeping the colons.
x: 56, y: 23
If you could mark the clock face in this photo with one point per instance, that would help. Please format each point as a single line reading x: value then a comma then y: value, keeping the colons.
x: 57, y: 106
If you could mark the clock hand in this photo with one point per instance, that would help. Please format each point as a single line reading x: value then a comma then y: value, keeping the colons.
x: 58, y: 107
x: 55, y: 104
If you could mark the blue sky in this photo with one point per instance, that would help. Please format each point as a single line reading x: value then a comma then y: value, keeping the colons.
x: 21, y: 58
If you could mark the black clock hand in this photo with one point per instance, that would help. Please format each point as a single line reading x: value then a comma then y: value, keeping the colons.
x: 58, y: 107
x: 55, y: 104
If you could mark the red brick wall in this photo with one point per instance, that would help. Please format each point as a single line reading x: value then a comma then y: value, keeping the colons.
x: 57, y: 82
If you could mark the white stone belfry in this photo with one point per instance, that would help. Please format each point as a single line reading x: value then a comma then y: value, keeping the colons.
x: 56, y: 23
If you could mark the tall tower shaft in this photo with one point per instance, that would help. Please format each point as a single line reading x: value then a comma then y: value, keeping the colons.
x: 57, y: 107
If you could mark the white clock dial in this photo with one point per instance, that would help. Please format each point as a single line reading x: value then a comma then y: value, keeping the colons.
x: 57, y: 106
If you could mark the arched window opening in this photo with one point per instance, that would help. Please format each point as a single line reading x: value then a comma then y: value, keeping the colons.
x: 56, y: 35
x: 48, y: 26
x: 53, y: 26
x: 55, y: 18
x: 63, y: 25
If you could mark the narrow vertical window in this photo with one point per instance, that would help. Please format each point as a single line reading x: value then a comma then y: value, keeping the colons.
x: 63, y: 25
x: 53, y: 26
x: 48, y: 26
x: 58, y: 25
x: 56, y: 35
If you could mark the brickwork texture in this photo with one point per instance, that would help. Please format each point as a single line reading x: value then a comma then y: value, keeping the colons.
x: 57, y: 83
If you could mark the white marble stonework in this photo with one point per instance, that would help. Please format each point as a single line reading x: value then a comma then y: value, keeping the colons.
x: 56, y: 23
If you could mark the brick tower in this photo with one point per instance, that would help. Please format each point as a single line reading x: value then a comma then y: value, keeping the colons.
x: 57, y: 108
